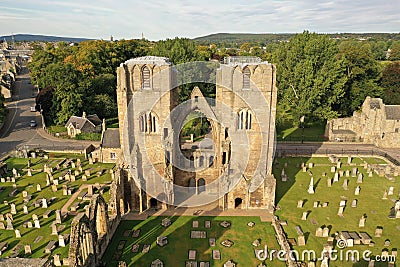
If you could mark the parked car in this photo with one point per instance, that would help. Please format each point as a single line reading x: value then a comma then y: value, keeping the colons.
x: 33, y: 123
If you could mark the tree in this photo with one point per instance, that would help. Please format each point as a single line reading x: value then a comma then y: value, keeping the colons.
x: 310, y: 76
x: 44, y: 103
x: 395, y: 51
x: 363, y: 73
x: 391, y: 83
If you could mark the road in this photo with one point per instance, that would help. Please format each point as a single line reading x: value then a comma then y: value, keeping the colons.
x: 17, y: 132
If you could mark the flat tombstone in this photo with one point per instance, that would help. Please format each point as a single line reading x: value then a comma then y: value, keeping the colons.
x: 28, y: 249
x: 195, y: 224
x: 301, y: 241
x: 300, y: 203
x: 318, y: 232
x: 304, y: 216
x: 207, y: 224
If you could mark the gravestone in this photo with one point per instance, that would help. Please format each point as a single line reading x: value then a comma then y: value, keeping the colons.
x: 72, y: 178
x: 25, y: 209
x: 13, y: 208
x: 370, y: 174
x: 38, y: 188
x: 47, y: 182
x: 28, y: 249
x: 1, y: 217
x: 65, y: 190
x: 345, y: 184
x: 61, y: 241
x: 37, y: 224
x: 341, y: 173
x: 390, y: 192
x: 325, y: 232
x: 90, y: 190
x: 87, y: 173
x: 354, y: 172
x: 301, y: 241
x: 340, y: 212
x: 29, y: 173
x: 73, y: 166
x: 195, y: 224
x: 315, y: 204
x: 24, y: 193
x: 54, y: 229
x: 311, y: 186
x: 378, y: 232
x: 361, y: 223
x: 349, y: 160
x: 300, y: 203
x: 318, y: 232
x: 44, y: 203
x: 333, y: 169
x: 56, y: 260
x: 397, y: 205
x: 55, y: 181
x: 17, y: 233
x: 29, y: 224
x: 342, y: 203
x: 360, y: 178
x: 304, y: 169
x: 304, y: 216
x: 354, y: 203
x: 310, y: 165
x: 325, y: 204
x: 34, y: 217
x: 329, y: 182
x: 336, y: 177
x: 357, y: 191
x: 347, y: 173
x: 9, y: 224
x: 338, y: 165
x: 2, y: 226
x: 84, y: 178
x: 76, y: 172
x: 385, y: 195
x: 54, y: 188
x: 58, y: 217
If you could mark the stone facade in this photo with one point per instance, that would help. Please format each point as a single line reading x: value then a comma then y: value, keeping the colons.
x: 241, y: 83
x: 376, y: 123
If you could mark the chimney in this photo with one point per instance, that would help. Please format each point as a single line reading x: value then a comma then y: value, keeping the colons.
x: 84, y: 115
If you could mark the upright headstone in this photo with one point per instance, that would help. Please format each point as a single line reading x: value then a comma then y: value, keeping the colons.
x: 54, y: 229
x: 349, y: 160
x: 304, y: 216
x: 17, y: 233
x: 61, y: 241
x: 338, y: 165
x: 13, y: 209
x: 90, y: 190
x: 318, y: 232
x: 361, y: 223
x: 9, y: 224
x: 301, y: 241
x: 29, y: 172
x: 58, y: 216
x: 385, y: 195
x: 360, y: 178
x: 354, y: 203
x: 57, y: 261
x: 354, y: 172
x: 25, y: 209
x: 44, y: 203
x: 340, y: 212
x: 37, y: 224
x: 311, y: 186
x: 345, y: 184
x: 300, y: 203
x: 391, y: 189
x: 333, y: 169
x: 347, y: 173
x: 325, y: 232
x: 38, y: 188
x: 329, y: 182
x: 336, y: 177
x: 28, y: 249
x: 357, y: 191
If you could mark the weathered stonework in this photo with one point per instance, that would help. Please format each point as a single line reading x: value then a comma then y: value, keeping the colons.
x: 376, y: 123
x: 256, y: 189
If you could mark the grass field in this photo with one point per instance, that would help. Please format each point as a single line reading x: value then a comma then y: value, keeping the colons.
x: 175, y: 253
x: 312, y: 132
x: 29, y: 184
x: 370, y: 204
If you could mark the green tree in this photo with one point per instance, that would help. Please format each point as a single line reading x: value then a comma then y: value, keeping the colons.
x: 395, y: 51
x: 310, y: 76
x: 363, y: 74
x: 391, y: 83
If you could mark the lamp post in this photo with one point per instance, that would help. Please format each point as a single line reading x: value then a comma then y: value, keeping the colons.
x: 302, y: 128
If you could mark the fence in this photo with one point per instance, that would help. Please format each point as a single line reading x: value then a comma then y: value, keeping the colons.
x: 304, y: 151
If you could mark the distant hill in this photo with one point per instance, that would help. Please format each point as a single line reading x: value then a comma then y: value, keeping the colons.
x: 237, y: 38
x: 42, y: 38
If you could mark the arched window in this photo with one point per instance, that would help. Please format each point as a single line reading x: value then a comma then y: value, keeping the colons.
x: 148, y: 123
x: 244, y: 119
x: 246, y: 78
x: 146, y: 78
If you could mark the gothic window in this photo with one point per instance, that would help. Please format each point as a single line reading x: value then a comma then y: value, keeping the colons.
x: 246, y: 78
x: 146, y: 78
x: 245, y: 119
x: 148, y: 123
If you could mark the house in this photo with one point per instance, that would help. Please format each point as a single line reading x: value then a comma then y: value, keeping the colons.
x: 110, y: 148
x: 85, y: 124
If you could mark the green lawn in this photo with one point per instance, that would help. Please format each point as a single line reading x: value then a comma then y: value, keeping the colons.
x: 369, y: 203
x: 175, y: 253
x: 312, y: 132
x: 29, y: 184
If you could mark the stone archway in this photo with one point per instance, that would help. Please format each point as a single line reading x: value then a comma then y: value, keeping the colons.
x: 153, y: 203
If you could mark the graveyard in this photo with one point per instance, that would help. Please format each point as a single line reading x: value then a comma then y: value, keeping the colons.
x: 40, y: 197
x: 355, y: 199
x: 200, y: 240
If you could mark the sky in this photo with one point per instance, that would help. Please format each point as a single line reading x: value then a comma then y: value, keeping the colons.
x: 161, y: 19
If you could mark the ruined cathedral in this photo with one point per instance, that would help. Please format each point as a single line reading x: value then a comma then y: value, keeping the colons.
x: 231, y: 168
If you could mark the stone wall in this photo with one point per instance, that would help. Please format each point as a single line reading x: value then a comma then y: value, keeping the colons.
x: 376, y: 123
